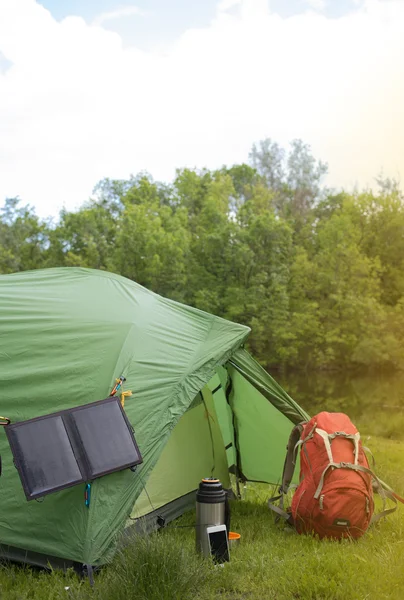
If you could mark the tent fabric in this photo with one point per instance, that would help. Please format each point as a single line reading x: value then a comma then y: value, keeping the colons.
x: 66, y: 335
x: 267, y: 386
x: 194, y: 450
x: 200, y: 404
x: 261, y: 450
x: 224, y: 413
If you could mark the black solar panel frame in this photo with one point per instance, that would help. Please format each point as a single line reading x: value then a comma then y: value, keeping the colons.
x: 76, y: 445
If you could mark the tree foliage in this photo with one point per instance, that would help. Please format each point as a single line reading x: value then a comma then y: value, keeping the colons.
x: 318, y: 276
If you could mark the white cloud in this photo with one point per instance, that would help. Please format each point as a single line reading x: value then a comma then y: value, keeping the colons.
x: 77, y: 106
x: 119, y: 13
x: 317, y: 4
x: 224, y: 5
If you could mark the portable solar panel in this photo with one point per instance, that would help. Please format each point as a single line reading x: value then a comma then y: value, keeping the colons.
x: 57, y: 451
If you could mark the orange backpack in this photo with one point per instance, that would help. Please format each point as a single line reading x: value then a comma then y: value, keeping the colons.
x: 335, y: 495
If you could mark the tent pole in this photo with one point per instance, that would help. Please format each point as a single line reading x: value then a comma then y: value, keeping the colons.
x: 90, y: 574
x: 238, y: 486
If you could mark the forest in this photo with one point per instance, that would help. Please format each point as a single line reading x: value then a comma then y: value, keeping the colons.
x: 317, y: 275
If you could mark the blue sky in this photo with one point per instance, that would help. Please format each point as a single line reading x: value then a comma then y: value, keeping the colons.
x: 181, y: 14
x: 164, y: 20
x: 108, y: 89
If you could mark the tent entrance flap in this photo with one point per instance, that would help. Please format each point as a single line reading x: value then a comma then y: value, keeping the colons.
x: 217, y: 385
x: 262, y: 431
x: 252, y: 371
x: 194, y: 447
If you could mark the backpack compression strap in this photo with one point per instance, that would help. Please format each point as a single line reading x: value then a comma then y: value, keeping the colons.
x: 288, y: 471
x: 382, y: 488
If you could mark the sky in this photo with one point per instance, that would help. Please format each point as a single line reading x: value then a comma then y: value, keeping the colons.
x: 103, y: 88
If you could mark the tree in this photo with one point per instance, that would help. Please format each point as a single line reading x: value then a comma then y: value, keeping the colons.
x: 293, y: 177
x: 23, y: 238
x: 268, y: 158
x: 318, y: 276
x: 303, y: 180
x: 151, y: 240
x: 85, y: 238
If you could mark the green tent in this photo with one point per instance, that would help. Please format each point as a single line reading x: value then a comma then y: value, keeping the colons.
x: 201, y: 405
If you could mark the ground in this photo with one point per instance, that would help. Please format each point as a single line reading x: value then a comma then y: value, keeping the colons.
x: 271, y: 562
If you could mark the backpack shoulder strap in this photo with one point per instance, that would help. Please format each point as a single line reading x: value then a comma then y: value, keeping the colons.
x: 290, y: 459
x: 385, y: 491
x: 288, y: 471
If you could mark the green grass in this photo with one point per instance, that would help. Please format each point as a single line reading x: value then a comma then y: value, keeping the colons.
x: 270, y: 562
